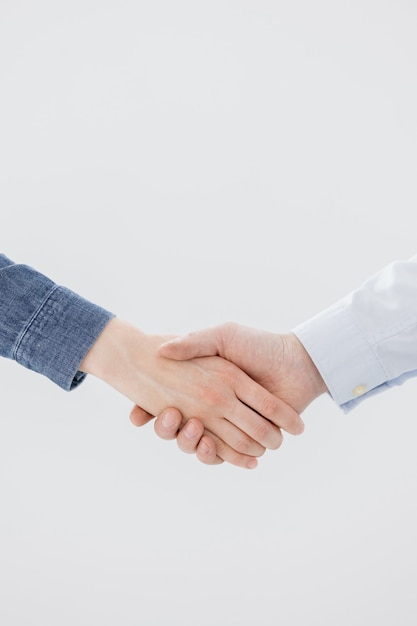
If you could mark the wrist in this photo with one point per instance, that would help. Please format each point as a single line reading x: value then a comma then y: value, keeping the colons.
x: 109, y: 357
x: 304, y: 366
x: 127, y: 359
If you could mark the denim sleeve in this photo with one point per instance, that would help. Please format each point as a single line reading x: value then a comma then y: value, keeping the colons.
x: 45, y: 327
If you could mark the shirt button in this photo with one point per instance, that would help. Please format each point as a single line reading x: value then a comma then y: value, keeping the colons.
x: 359, y: 390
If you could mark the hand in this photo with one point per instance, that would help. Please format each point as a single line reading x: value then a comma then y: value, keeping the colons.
x: 230, y: 405
x: 278, y: 362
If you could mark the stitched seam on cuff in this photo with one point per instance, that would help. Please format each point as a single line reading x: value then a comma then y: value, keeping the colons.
x: 31, y: 320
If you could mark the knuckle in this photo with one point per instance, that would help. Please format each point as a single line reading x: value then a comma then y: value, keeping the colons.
x: 245, y: 445
x: 229, y: 373
x: 228, y: 327
x: 217, y: 394
x: 263, y: 431
x: 221, y: 449
x: 269, y: 406
x: 211, y: 395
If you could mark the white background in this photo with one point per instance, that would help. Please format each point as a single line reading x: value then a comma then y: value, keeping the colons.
x: 184, y: 164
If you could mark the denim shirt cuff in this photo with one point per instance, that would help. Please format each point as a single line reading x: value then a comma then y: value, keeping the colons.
x: 59, y: 334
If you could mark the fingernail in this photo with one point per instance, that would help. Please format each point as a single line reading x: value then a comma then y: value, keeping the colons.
x: 203, y: 447
x: 252, y: 464
x: 190, y: 431
x: 176, y: 340
x: 168, y: 421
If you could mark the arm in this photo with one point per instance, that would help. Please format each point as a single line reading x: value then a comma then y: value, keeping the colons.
x: 362, y: 345
x: 55, y: 332
x: 45, y: 327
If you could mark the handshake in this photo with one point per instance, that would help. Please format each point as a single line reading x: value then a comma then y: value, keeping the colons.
x: 225, y: 393
x: 228, y: 392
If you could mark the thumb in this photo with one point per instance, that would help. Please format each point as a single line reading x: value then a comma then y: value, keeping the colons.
x: 200, y: 343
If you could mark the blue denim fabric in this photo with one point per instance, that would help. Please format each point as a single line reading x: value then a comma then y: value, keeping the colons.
x: 45, y: 327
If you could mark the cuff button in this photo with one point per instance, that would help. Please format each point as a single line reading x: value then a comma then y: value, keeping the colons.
x: 359, y: 390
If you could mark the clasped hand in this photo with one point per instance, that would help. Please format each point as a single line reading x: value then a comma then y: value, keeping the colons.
x: 239, y: 415
x: 277, y: 363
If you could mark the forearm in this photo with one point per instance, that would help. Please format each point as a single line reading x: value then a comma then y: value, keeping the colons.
x: 304, y: 368
x: 46, y: 327
x: 125, y: 358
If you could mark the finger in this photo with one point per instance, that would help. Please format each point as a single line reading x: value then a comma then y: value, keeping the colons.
x: 209, y: 448
x: 200, y: 343
x: 168, y: 423
x: 208, y: 343
x: 229, y: 455
x: 140, y: 417
x: 270, y: 407
x: 206, y: 451
x: 189, y: 435
x: 244, y: 424
x: 235, y: 430
x: 192, y: 440
x: 256, y: 427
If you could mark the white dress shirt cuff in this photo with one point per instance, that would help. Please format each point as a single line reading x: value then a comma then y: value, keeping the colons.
x: 346, y: 361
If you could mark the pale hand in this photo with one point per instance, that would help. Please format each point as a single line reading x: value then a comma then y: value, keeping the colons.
x: 278, y: 362
x: 229, y: 404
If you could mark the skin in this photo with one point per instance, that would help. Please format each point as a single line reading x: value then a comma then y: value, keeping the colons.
x: 243, y: 418
x: 278, y: 362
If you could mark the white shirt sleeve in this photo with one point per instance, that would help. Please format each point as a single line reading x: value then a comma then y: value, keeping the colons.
x: 367, y: 342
